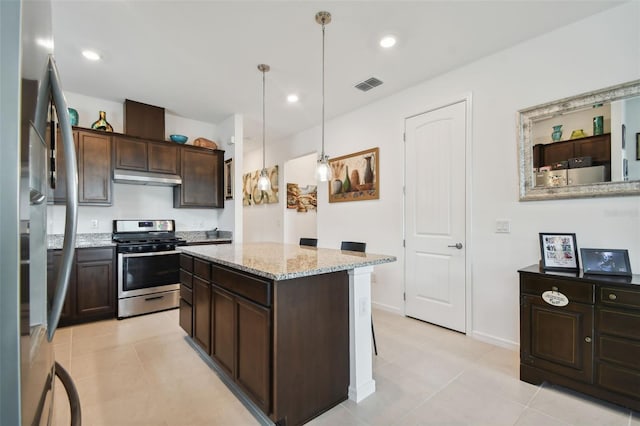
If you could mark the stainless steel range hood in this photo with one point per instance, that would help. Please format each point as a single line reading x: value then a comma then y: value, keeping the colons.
x: 145, y: 178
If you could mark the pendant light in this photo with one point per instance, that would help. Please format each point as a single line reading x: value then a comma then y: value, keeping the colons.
x: 264, y: 184
x: 323, y: 171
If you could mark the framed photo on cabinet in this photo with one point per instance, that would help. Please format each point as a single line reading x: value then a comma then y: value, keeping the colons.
x: 605, y: 261
x: 559, y: 252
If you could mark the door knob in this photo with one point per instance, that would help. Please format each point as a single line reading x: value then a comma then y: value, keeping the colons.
x: 457, y: 245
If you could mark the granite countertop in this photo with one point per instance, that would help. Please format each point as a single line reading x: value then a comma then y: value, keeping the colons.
x: 201, y: 237
x: 284, y: 261
x: 54, y: 241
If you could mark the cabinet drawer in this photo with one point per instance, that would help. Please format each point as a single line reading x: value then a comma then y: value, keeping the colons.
x: 91, y: 254
x: 620, y: 351
x: 186, y: 317
x: 619, y: 297
x: 186, y: 278
x: 186, y: 262
x: 619, y: 323
x: 619, y: 379
x: 202, y: 269
x: 186, y: 294
x: 575, y: 291
x: 245, y: 285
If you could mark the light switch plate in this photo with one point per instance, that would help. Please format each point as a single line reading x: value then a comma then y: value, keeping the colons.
x: 503, y: 226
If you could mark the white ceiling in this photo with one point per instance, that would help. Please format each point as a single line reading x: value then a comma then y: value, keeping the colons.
x: 198, y: 59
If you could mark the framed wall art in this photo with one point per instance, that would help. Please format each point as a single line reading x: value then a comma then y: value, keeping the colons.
x: 637, y: 146
x: 228, y: 179
x: 559, y: 252
x: 605, y: 261
x: 252, y: 195
x: 356, y: 176
x: 302, y: 198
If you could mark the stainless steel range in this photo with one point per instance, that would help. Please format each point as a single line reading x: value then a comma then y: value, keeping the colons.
x: 148, y: 266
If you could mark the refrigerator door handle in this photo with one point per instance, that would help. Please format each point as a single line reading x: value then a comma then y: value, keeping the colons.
x: 51, y: 88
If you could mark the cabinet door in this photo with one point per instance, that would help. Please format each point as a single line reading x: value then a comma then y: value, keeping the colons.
x: 94, y: 168
x: 223, y: 329
x: 202, y: 313
x: 202, y: 179
x: 163, y: 157
x: 54, y: 258
x: 131, y: 154
x: 254, y: 352
x: 598, y: 148
x: 95, y: 290
x: 558, y: 151
x: 557, y: 339
x: 186, y: 317
x: 59, y: 193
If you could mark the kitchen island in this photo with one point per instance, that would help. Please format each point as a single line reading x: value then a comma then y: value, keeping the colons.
x: 288, y: 325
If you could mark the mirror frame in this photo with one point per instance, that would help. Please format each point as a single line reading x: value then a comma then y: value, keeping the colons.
x: 528, y: 192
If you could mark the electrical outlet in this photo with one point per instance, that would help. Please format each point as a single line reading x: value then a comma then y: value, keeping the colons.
x: 362, y: 307
x: 503, y: 226
x: 94, y: 223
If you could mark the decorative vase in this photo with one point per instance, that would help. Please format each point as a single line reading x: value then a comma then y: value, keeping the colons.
x: 577, y: 134
x: 346, y: 185
x: 557, y: 133
x: 368, y: 173
x: 598, y: 125
x: 336, y: 186
x: 102, y: 123
x: 73, y: 116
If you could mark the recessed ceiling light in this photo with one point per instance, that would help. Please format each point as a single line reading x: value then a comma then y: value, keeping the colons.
x: 387, y: 41
x: 91, y: 55
x: 293, y: 98
x: 45, y: 42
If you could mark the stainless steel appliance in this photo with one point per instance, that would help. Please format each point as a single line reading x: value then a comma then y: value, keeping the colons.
x: 148, y: 266
x: 585, y: 175
x: 30, y: 100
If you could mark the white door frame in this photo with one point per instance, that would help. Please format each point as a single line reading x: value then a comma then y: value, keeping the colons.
x: 467, y: 97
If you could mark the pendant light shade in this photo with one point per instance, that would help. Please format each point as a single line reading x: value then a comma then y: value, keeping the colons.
x: 264, y: 184
x: 323, y: 171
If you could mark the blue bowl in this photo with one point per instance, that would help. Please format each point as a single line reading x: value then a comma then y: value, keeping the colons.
x: 178, y: 138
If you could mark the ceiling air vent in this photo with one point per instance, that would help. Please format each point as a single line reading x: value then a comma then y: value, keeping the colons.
x: 368, y: 84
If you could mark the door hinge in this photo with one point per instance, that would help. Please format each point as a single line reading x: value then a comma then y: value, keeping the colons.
x: 404, y: 137
x: 404, y: 296
x: 404, y: 243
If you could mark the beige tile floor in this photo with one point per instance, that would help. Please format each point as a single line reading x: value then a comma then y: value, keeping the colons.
x: 141, y: 371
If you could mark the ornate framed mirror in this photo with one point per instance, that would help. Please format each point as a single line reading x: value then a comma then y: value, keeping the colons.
x: 581, y: 146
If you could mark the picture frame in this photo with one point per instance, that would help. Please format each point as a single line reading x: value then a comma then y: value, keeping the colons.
x: 559, y: 252
x: 637, y: 146
x: 606, y: 261
x: 228, y: 179
x: 356, y: 177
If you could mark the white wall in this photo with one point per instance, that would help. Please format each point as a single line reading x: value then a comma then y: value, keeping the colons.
x: 141, y: 201
x: 229, y: 138
x: 525, y: 75
x: 632, y: 121
x: 300, y: 170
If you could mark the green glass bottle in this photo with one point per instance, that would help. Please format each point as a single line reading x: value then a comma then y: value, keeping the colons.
x: 346, y: 185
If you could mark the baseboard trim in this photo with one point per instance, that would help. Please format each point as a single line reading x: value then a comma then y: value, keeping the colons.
x: 496, y: 341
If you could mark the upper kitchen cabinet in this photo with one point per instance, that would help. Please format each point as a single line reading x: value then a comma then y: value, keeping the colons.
x: 93, y: 153
x: 146, y: 156
x: 202, y: 179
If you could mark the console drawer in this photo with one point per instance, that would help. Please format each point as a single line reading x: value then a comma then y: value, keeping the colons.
x: 575, y: 291
x: 619, y: 297
x: 618, y: 323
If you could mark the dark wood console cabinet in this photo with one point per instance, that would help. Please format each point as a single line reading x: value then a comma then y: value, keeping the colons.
x: 592, y: 344
x: 285, y: 344
x: 91, y: 294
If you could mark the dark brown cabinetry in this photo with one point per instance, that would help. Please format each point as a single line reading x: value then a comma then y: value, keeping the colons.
x: 93, y: 151
x: 146, y: 156
x: 285, y: 344
x: 596, y: 147
x: 91, y: 293
x: 186, y: 293
x: 592, y: 344
x: 202, y: 179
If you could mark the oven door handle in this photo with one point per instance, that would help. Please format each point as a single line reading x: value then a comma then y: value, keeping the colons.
x: 154, y: 253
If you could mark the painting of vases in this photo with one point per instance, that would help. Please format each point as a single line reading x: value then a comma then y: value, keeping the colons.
x: 356, y: 177
x: 252, y: 195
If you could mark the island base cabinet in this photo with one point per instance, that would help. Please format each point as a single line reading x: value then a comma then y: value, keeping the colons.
x: 223, y: 326
x: 202, y: 313
x: 186, y: 317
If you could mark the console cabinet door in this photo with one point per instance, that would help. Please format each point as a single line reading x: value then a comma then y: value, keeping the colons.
x: 202, y: 313
x: 94, y: 168
x: 95, y: 285
x: 557, y: 339
x: 254, y: 351
x: 223, y: 329
x: 202, y: 179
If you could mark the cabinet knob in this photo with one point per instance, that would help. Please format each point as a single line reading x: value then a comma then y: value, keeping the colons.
x: 587, y: 339
x: 612, y: 296
x: 554, y: 288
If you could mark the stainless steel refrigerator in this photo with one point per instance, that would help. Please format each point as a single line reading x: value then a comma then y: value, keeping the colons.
x: 32, y: 108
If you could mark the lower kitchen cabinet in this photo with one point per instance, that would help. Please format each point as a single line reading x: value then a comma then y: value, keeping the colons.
x: 91, y: 293
x: 223, y: 329
x: 592, y: 343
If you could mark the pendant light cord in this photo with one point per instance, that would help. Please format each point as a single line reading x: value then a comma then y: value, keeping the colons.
x: 263, y: 120
x: 322, y: 157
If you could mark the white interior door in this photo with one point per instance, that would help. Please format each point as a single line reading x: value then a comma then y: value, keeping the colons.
x: 435, y: 216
